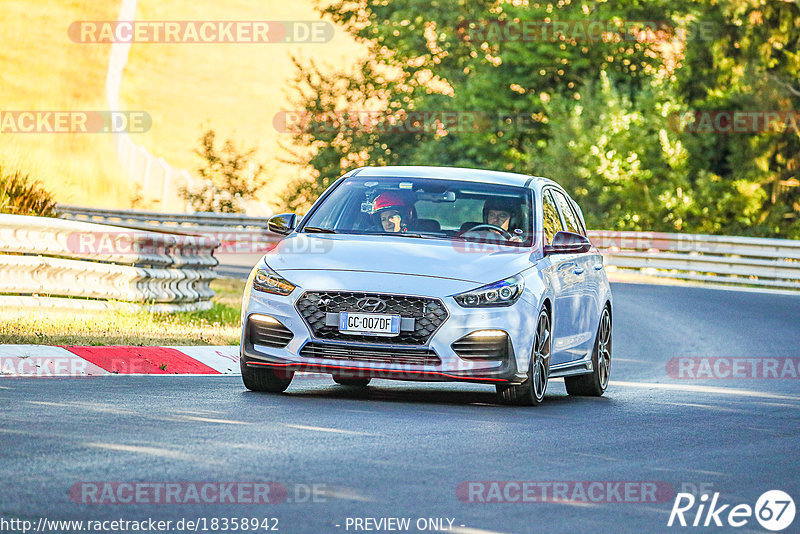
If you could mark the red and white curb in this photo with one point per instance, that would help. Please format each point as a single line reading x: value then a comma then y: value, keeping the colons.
x: 80, y: 361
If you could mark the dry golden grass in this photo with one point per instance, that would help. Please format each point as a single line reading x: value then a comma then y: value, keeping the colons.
x: 41, y: 69
x: 236, y: 89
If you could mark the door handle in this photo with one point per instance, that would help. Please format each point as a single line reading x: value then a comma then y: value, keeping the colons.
x: 598, y: 267
x: 578, y: 270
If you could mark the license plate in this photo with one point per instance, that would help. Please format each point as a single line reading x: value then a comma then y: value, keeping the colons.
x: 369, y: 324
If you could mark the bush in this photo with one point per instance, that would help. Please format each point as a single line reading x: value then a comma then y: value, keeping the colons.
x: 19, y: 195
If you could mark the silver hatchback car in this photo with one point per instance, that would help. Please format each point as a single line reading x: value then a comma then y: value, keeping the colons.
x: 432, y: 274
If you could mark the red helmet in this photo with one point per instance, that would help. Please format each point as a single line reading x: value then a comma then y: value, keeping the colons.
x: 390, y: 199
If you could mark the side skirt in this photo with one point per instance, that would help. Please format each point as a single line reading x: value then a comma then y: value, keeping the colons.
x: 578, y: 367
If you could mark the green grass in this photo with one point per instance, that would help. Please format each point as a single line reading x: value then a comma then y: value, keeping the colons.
x: 216, y: 326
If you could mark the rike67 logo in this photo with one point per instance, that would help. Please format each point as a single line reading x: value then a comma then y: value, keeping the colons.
x: 774, y: 510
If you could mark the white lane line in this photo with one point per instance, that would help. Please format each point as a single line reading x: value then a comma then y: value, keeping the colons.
x: 324, y: 429
x: 154, y: 451
x: 343, y: 493
x: 705, y: 406
x: 103, y: 408
x: 43, y: 403
x: 689, y: 472
x: 778, y: 404
x: 579, y: 504
x: 209, y: 420
x: 705, y: 389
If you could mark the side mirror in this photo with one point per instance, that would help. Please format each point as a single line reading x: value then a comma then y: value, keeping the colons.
x: 282, y: 224
x: 568, y: 243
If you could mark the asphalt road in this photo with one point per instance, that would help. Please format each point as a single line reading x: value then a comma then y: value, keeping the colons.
x: 402, y: 449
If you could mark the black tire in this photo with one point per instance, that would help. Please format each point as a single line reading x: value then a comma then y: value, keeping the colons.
x: 594, y: 384
x: 354, y: 382
x: 265, y: 380
x: 531, y: 392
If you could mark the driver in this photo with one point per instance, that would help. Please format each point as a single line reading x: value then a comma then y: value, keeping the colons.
x: 393, y: 210
x: 498, y: 213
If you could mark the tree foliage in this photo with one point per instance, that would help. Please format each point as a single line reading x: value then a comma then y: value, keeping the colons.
x: 228, y: 177
x: 600, y: 112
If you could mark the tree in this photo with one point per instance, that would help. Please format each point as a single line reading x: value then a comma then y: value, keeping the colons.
x: 228, y: 177
x: 600, y: 112
x: 446, y: 57
x: 749, y: 63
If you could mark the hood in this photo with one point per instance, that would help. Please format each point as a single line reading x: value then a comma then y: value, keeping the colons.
x: 455, y: 260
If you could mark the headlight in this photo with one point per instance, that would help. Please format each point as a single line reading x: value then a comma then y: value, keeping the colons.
x: 503, y: 293
x: 269, y: 281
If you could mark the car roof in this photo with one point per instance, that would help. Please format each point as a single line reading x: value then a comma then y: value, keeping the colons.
x: 452, y: 173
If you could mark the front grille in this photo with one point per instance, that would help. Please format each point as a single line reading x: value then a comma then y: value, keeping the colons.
x: 428, y: 315
x: 396, y: 356
x: 268, y: 334
x: 482, y: 347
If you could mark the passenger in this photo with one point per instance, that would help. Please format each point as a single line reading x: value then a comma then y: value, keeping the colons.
x: 393, y: 210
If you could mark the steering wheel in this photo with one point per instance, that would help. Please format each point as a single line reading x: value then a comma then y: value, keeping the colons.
x: 492, y: 228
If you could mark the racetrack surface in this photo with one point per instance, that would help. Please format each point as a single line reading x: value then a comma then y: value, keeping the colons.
x: 402, y: 449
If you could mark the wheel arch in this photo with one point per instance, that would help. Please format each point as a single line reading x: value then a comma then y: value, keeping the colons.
x: 548, y: 305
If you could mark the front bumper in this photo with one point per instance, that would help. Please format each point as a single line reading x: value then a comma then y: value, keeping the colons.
x: 346, y: 358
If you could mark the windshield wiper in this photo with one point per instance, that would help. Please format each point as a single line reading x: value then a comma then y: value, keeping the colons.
x: 318, y: 230
x: 487, y: 241
x: 408, y: 234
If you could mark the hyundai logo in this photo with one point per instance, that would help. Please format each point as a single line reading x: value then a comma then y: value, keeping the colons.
x: 371, y: 304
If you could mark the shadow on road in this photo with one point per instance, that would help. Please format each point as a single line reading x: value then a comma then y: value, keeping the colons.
x: 420, y: 395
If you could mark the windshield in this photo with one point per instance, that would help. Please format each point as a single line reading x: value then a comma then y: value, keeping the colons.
x: 426, y: 208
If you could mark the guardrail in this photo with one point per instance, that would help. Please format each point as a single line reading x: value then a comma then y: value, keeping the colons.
x: 750, y: 261
x: 45, y: 260
x: 153, y: 220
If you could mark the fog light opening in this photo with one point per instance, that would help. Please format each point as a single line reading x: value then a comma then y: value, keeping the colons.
x: 483, y: 345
